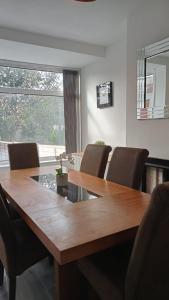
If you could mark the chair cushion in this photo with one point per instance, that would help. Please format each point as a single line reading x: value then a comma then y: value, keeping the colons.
x: 148, y: 272
x: 23, y: 155
x: 29, y: 249
x: 127, y: 165
x: 106, y: 271
x: 94, y: 159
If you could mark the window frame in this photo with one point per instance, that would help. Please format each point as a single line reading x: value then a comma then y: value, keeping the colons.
x: 33, y: 92
x: 34, y: 67
x: 47, y: 68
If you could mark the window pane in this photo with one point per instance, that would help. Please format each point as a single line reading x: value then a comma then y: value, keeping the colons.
x: 30, y: 79
x: 27, y: 118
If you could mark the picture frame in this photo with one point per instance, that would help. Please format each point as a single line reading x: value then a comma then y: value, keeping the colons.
x: 104, y: 93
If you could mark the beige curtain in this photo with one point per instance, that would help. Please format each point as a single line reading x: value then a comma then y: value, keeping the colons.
x: 71, y: 86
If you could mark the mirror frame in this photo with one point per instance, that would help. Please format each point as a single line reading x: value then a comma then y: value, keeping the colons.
x: 143, y: 113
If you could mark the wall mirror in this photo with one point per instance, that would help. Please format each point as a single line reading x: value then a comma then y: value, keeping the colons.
x: 153, y: 81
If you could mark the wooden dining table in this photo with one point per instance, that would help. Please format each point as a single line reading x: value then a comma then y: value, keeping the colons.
x: 69, y: 230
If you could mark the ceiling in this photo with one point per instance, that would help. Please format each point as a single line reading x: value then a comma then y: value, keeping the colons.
x: 96, y: 23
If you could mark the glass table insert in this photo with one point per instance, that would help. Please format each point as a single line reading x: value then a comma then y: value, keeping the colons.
x: 70, y: 191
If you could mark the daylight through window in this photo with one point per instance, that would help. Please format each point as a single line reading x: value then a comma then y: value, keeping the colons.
x: 31, y: 110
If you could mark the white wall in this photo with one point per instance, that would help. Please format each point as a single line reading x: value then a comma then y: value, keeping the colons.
x: 118, y: 125
x: 107, y: 124
x: 148, y: 24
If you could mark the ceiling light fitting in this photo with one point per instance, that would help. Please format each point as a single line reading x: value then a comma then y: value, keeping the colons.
x: 85, y: 0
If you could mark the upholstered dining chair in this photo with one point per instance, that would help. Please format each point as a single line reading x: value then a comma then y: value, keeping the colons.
x: 141, y: 273
x: 94, y: 159
x: 127, y: 165
x: 23, y: 155
x: 19, y: 248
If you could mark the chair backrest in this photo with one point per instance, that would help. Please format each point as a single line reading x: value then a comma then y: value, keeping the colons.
x: 23, y: 155
x: 127, y: 165
x: 148, y: 271
x: 94, y: 159
x: 7, y: 238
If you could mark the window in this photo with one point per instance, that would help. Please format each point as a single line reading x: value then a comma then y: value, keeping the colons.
x: 31, y: 110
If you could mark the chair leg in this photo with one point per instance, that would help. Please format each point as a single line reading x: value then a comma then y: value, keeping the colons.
x: 12, y: 288
x: 1, y: 273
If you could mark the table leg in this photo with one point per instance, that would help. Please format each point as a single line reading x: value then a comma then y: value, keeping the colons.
x: 70, y: 285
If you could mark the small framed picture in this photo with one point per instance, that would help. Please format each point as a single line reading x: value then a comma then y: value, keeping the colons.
x: 104, y: 94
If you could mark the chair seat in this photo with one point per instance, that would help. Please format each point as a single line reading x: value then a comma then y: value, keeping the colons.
x: 29, y: 249
x: 106, y: 271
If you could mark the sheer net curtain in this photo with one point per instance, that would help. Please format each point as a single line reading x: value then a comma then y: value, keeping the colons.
x: 71, y: 97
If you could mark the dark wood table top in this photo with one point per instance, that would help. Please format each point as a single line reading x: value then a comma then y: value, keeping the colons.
x: 71, y: 231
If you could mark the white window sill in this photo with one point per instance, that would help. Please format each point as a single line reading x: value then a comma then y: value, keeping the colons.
x: 42, y: 163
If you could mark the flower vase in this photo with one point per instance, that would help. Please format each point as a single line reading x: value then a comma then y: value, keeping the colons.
x: 62, y: 179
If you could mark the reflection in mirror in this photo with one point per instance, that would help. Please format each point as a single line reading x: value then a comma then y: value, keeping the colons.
x: 156, y: 69
x: 153, y: 82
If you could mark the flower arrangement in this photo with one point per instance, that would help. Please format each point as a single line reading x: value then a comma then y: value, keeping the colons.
x: 59, y: 160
